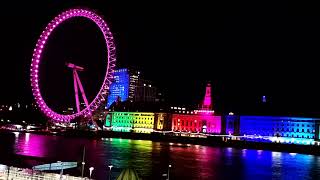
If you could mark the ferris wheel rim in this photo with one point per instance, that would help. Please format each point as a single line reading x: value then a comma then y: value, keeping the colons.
x: 36, y: 60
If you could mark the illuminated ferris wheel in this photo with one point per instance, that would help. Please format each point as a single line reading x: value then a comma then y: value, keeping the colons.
x: 36, y: 60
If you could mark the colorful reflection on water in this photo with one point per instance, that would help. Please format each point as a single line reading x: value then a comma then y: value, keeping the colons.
x: 151, y: 159
x: 34, y: 146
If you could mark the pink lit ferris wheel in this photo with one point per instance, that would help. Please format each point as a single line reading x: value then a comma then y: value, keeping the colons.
x: 36, y: 60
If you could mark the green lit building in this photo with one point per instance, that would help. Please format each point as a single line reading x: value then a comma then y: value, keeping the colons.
x: 137, y: 122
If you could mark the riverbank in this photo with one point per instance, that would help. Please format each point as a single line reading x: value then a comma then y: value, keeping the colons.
x: 215, y: 141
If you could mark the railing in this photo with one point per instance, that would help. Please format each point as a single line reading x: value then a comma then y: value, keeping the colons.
x: 14, y: 173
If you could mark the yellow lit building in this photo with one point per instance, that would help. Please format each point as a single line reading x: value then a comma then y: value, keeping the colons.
x: 162, y: 121
x: 137, y: 122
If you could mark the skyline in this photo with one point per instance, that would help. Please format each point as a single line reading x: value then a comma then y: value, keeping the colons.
x: 248, y: 53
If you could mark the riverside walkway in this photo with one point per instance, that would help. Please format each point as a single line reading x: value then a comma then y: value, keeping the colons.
x: 14, y: 173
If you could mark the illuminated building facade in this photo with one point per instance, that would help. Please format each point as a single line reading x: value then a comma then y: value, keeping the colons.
x: 137, y: 122
x: 202, y: 122
x: 119, y: 86
x: 108, y: 120
x: 207, y: 102
x: 231, y: 124
x: 293, y: 127
x: 133, y: 83
x: 162, y: 121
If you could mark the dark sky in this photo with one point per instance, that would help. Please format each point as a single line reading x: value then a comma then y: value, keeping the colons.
x: 246, y: 50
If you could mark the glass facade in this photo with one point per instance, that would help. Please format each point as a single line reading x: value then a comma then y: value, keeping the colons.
x: 119, y: 87
x: 124, y: 85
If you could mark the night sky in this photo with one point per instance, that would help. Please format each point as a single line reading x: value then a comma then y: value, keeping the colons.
x: 245, y: 50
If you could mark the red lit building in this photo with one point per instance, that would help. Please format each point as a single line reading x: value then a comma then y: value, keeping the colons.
x: 202, y: 120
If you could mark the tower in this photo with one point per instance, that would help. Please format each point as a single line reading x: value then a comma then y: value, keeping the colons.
x: 207, y: 102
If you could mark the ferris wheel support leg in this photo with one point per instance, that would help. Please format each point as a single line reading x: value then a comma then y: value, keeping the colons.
x: 82, y: 90
x: 84, y: 97
x: 76, y: 90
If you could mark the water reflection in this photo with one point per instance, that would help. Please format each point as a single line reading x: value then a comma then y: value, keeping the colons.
x: 30, y: 147
x: 151, y: 159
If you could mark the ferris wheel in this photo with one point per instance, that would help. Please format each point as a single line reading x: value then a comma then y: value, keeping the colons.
x: 36, y: 60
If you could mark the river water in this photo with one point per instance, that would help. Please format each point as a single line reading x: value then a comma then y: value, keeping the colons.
x: 151, y: 159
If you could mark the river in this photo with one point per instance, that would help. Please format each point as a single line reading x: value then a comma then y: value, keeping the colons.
x: 151, y: 159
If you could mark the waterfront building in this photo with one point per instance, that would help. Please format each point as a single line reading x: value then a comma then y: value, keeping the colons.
x: 231, y: 124
x: 277, y: 126
x: 195, y: 123
x: 162, y: 121
x: 202, y: 120
x: 137, y: 122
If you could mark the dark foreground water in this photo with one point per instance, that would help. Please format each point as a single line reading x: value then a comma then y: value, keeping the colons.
x: 151, y: 159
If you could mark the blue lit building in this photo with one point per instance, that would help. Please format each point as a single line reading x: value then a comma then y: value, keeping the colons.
x: 291, y: 127
x: 231, y: 124
x: 120, y: 86
x: 129, y: 86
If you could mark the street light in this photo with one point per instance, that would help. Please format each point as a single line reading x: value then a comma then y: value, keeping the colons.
x: 83, y: 163
x: 110, y: 167
x: 169, y: 171
x: 91, y: 169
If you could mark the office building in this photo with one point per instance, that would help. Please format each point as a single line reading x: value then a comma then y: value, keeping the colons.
x: 129, y: 86
x: 123, y: 85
